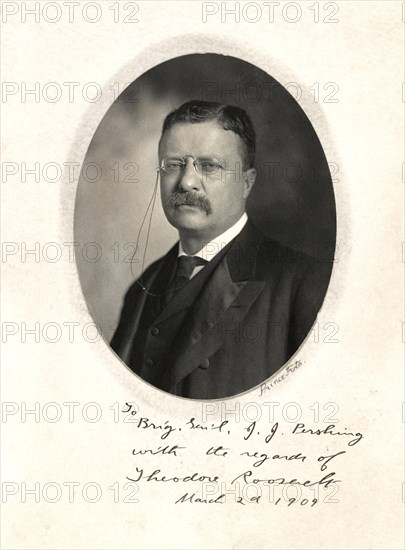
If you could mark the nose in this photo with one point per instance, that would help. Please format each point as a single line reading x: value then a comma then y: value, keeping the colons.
x: 189, y: 179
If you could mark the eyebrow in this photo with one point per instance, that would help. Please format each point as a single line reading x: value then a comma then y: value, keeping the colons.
x: 211, y: 157
x: 201, y: 157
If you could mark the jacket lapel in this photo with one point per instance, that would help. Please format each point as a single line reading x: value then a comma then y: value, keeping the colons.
x: 223, y: 303
x: 187, y: 296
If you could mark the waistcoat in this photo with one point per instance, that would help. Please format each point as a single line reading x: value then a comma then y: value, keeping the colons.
x: 154, y: 346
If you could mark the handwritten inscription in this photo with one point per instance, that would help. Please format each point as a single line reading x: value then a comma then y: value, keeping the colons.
x: 240, y: 462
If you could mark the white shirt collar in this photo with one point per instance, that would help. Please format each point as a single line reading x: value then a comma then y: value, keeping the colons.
x: 211, y: 249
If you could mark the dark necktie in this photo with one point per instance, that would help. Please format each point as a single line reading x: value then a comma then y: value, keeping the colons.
x: 184, y: 269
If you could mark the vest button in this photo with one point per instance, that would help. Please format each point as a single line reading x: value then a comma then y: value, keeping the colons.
x: 154, y: 331
x: 149, y: 362
x: 204, y: 364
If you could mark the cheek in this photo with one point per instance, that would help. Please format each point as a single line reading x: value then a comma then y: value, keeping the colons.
x: 164, y: 197
x: 228, y: 195
x: 165, y: 189
x: 170, y: 183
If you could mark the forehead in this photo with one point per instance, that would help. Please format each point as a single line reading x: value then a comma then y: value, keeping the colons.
x: 199, y: 139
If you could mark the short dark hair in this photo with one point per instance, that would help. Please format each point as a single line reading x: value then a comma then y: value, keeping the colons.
x: 228, y: 117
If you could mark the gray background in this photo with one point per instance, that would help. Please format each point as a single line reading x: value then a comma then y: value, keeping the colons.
x: 293, y: 204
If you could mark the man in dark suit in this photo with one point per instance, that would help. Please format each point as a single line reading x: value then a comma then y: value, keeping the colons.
x: 225, y: 308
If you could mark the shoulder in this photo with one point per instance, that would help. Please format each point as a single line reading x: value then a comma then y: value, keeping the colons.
x: 274, y: 251
x: 271, y: 253
x: 274, y: 258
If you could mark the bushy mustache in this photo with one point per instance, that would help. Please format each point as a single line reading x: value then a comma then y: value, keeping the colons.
x: 190, y: 198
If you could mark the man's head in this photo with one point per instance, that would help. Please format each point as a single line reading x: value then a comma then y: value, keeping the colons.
x: 206, y: 155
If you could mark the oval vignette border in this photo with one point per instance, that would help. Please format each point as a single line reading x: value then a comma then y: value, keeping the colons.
x: 147, y: 59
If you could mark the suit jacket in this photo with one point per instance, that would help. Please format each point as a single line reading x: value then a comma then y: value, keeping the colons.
x: 231, y: 327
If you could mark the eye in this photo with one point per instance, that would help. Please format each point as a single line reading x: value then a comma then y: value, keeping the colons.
x: 210, y: 167
x: 173, y: 165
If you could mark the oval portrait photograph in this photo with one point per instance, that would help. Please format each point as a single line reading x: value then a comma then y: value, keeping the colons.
x: 206, y: 219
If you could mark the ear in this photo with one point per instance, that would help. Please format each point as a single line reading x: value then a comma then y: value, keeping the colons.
x: 250, y: 178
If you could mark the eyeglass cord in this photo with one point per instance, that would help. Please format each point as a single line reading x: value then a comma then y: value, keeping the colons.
x: 151, y: 204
